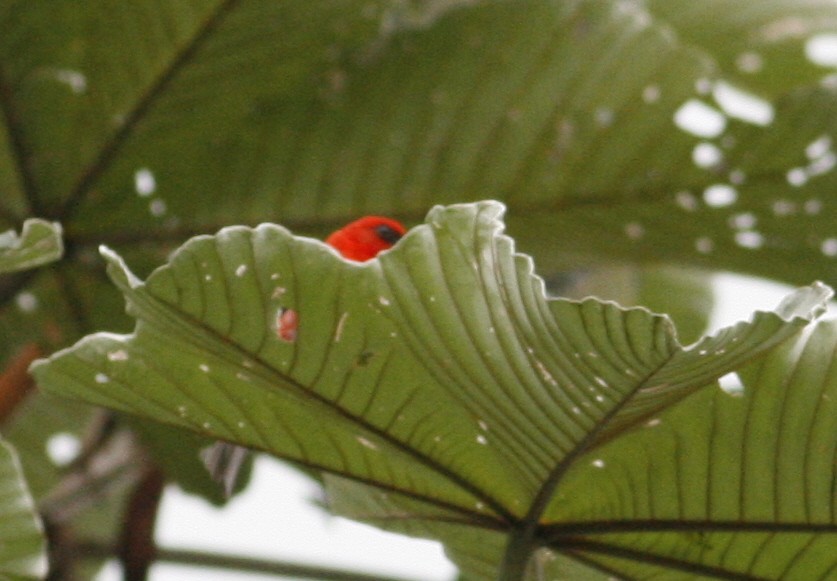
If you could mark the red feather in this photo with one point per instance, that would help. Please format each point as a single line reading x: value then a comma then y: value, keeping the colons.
x: 363, y: 239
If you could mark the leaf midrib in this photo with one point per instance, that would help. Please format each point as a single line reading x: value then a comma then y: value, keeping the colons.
x: 142, y: 106
x: 554, y: 533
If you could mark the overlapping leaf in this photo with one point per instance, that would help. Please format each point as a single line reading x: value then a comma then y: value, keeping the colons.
x: 22, y: 546
x: 720, y: 485
x: 439, y: 373
x: 562, y: 108
x: 762, y: 47
x: 39, y: 243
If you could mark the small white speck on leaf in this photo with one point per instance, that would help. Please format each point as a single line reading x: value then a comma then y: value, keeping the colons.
x: 241, y: 270
x: 634, y: 230
x: 699, y: 119
x: 655, y: 388
x: 731, y: 383
x: 743, y: 105
x: 341, y: 323
x: 797, y: 176
x: 651, y: 93
x: 749, y: 62
x: 366, y: 443
x: 145, y: 183
x: 545, y: 374
x: 384, y: 301
x: 598, y: 463
x: 26, y: 302
x: 737, y: 177
x: 481, y: 439
x: 604, y: 116
x: 686, y: 200
x: 706, y: 155
x: 704, y: 86
x: 102, y: 378
x: 749, y: 239
x: 821, y: 49
x: 704, y: 245
x: 76, y: 80
x: 784, y: 207
x: 62, y: 448
x: 118, y: 355
x: 819, y: 147
x: 743, y: 221
x: 157, y: 208
x: 720, y: 195
x: 829, y: 247
x: 204, y: 367
x: 823, y: 164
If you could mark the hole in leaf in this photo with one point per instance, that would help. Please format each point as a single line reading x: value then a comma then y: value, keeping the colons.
x: 731, y: 383
x: 720, y: 195
x: 145, y: 183
x: 62, y: 448
x: 287, y: 323
x: 698, y: 118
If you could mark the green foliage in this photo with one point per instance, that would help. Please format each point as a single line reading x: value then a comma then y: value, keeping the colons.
x: 141, y: 124
x: 39, y: 243
x: 442, y: 379
x: 22, y: 546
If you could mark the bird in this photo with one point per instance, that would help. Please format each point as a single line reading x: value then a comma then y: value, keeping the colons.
x: 366, y: 237
x: 358, y: 241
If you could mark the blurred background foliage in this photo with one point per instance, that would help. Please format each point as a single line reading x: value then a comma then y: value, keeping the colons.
x: 639, y: 145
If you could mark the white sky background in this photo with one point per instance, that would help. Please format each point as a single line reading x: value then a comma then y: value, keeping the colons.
x: 276, y: 519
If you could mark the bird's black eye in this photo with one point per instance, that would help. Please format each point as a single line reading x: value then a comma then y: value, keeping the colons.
x: 387, y: 233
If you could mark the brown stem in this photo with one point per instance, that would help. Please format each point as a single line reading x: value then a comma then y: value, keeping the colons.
x: 137, y: 549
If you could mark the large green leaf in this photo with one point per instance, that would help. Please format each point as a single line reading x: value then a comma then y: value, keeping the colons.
x: 319, y: 111
x: 439, y: 373
x: 728, y: 484
x: 756, y: 45
x: 39, y: 243
x: 22, y: 546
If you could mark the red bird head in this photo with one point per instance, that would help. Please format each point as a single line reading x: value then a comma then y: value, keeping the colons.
x: 363, y: 239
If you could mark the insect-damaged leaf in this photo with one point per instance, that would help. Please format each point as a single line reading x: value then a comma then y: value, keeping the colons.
x: 439, y: 374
